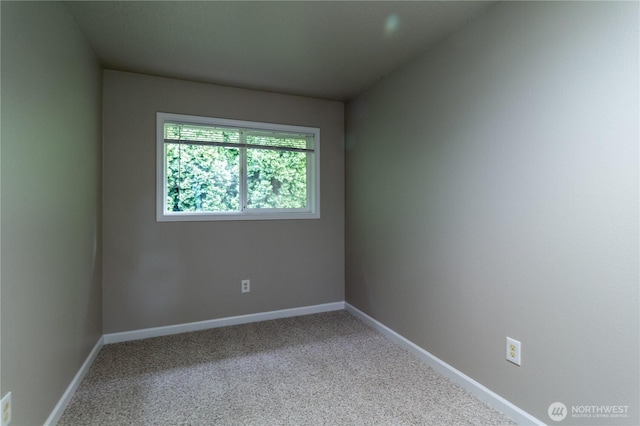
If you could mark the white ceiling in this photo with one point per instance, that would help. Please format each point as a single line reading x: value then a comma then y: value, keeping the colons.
x: 324, y: 49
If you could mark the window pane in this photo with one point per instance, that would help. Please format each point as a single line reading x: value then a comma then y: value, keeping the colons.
x: 276, y: 179
x: 202, y: 178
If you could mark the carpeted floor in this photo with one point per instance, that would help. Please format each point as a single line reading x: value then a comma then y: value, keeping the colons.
x: 322, y: 369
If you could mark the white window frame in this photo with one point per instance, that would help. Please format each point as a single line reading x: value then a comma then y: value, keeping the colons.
x: 313, y: 174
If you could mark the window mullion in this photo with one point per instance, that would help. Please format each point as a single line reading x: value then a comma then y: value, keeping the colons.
x: 243, y: 171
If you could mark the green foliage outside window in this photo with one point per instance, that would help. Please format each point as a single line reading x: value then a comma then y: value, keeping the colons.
x: 206, y: 178
x: 202, y: 178
x: 276, y: 179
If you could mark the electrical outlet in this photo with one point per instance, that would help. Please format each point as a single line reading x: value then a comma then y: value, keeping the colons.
x: 246, y: 286
x: 513, y: 351
x: 5, y: 419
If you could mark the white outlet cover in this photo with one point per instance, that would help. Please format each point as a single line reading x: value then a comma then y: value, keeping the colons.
x: 514, y: 352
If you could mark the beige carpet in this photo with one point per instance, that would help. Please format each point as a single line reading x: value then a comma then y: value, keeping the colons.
x: 323, y: 369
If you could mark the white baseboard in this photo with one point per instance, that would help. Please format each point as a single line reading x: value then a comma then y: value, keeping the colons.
x: 58, y: 410
x: 479, y: 391
x: 221, y: 322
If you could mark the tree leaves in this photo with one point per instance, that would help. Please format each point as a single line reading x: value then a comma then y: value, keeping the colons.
x: 203, y: 178
x: 276, y: 179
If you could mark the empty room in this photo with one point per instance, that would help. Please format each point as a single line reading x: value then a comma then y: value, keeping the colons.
x: 319, y: 212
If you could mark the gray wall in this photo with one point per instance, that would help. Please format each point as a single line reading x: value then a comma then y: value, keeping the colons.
x: 51, y: 150
x: 158, y: 274
x: 492, y: 191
